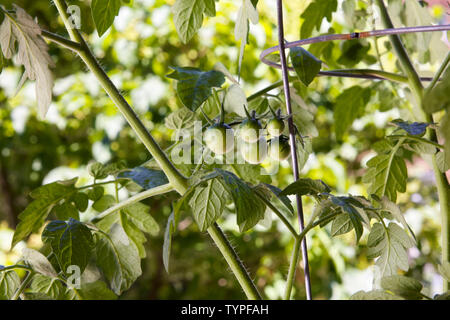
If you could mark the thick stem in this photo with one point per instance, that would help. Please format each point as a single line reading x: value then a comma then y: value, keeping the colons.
x: 234, y: 262
x: 293, y: 144
x: 417, y: 89
x: 176, y: 179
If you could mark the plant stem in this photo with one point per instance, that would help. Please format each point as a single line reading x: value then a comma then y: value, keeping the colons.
x: 417, y: 89
x: 292, y: 269
x: 291, y: 125
x: 234, y: 262
x: 278, y: 213
x: 137, y: 197
x: 23, y: 286
x: 16, y: 266
x: 438, y: 74
x: 176, y: 179
x: 437, y: 145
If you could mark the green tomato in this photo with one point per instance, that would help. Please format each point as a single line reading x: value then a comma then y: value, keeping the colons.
x: 255, y: 152
x: 275, y: 127
x: 217, y: 139
x: 249, y: 130
x: 279, y: 148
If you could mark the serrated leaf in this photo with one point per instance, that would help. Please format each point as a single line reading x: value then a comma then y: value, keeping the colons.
x: 32, y: 53
x: 194, y: 86
x: 387, y: 175
x: 188, y: 16
x: 103, y: 13
x: 133, y: 232
x: 396, y: 213
x: 402, y: 286
x: 353, y: 214
x: 146, y: 178
x: 9, y: 283
x: 374, y: 295
x: 349, y: 105
x: 34, y: 215
x: 139, y: 214
x: 314, y: 15
x: 97, y: 290
x: 101, y: 171
x: 118, y: 258
x: 390, y: 247
x: 38, y: 262
x: 306, y: 186
x: 48, y: 286
x: 249, y: 208
x: 306, y: 65
x: 71, y: 242
x: 207, y: 202
x: 180, y: 119
x: 341, y: 225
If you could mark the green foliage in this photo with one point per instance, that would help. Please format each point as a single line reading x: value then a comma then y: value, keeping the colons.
x: 194, y: 86
x: 306, y: 65
x: 386, y: 174
x: 402, y: 286
x: 33, y: 217
x: 306, y: 186
x: 389, y: 244
x: 9, y: 283
x: 349, y: 106
x: 118, y: 258
x: 188, y: 16
x: 146, y: 178
x: 314, y: 14
x: 71, y: 242
x: 103, y: 13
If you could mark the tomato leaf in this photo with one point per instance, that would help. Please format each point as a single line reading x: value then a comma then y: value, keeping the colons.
x: 71, y: 242
x: 306, y: 65
x: 314, y: 15
x: 9, y: 283
x: 194, y: 86
x: 188, y: 16
x: 145, y: 177
x: 103, y: 13
x: 118, y: 258
x: 402, y: 286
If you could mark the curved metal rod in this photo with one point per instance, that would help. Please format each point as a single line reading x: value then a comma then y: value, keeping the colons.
x: 350, y: 36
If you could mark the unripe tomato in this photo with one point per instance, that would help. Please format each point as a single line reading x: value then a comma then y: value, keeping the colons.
x: 275, y: 127
x: 249, y: 130
x: 215, y: 138
x: 254, y: 152
x: 279, y: 148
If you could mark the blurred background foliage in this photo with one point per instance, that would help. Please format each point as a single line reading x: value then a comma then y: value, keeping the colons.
x: 83, y: 124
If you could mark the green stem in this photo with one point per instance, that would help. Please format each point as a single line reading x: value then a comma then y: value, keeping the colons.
x: 16, y: 266
x: 23, y: 286
x: 417, y: 89
x: 234, y: 262
x: 437, y: 145
x: 438, y: 74
x: 279, y: 214
x: 66, y: 43
x: 137, y: 197
x: 176, y: 179
x: 292, y: 268
x: 383, y: 74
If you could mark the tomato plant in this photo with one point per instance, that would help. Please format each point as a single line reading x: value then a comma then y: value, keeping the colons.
x: 93, y: 238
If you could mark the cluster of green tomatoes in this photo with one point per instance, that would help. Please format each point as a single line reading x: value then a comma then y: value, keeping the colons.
x: 257, y: 141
